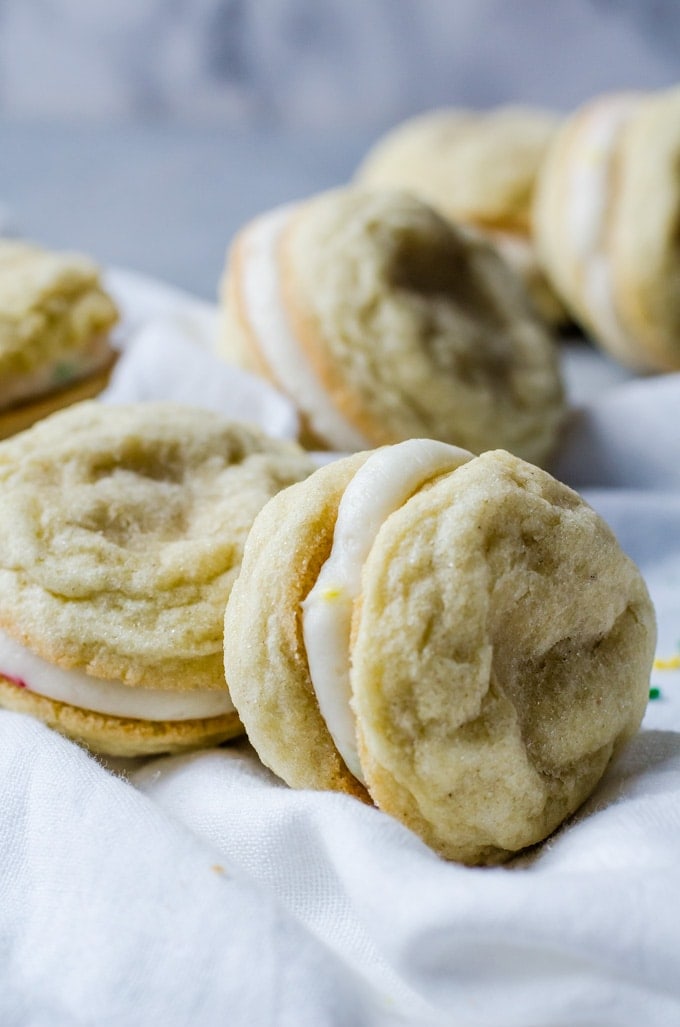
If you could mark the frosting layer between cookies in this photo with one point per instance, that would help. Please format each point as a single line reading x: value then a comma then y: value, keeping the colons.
x: 382, y: 485
x: 275, y: 336
x: 57, y: 373
x: 589, y: 188
x: 112, y: 698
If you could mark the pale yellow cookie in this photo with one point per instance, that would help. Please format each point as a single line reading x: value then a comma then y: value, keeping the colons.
x: 55, y: 319
x: 383, y: 322
x: 606, y: 214
x: 121, y: 532
x: 477, y: 168
x: 459, y: 637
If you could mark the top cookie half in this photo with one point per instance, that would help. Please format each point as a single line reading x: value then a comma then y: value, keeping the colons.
x: 121, y: 531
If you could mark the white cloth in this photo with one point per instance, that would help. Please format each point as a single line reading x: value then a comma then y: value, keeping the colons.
x: 201, y: 891
x: 168, y: 341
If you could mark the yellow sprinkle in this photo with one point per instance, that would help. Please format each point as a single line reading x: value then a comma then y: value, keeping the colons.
x: 332, y: 593
x: 671, y: 663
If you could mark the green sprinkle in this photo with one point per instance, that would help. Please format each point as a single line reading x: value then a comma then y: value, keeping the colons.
x: 63, y: 372
x: 655, y: 693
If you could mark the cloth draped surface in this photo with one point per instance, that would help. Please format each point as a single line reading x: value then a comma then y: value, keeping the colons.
x: 200, y: 890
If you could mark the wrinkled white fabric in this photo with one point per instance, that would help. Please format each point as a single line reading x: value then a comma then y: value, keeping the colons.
x: 168, y: 343
x: 630, y: 438
x: 198, y: 890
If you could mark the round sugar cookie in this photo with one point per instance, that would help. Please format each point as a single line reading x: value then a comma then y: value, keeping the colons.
x: 477, y: 168
x: 459, y: 637
x: 607, y: 209
x: 121, y: 533
x: 383, y: 322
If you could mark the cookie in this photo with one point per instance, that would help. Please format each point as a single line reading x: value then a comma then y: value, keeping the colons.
x: 121, y: 532
x: 383, y: 322
x: 606, y: 213
x: 55, y: 320
x: 477, y: 168
x: 459, y: 639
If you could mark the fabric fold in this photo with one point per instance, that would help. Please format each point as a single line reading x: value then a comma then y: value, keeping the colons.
x: 201, y: 890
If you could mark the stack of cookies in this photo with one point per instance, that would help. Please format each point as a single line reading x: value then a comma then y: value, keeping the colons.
x: 479, y: 170
x: 55, y: 323
x: 585, y: 207
x: 431, y: 622
x: 384, y: 321
x: 458, y: 639
x: 606, y: 219
x: 122, y: 533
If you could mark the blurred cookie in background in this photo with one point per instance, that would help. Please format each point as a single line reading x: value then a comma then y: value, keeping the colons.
x: 478, y: 168
x: 383, y: 321
x: 55, y: 324
x: 607, y: 211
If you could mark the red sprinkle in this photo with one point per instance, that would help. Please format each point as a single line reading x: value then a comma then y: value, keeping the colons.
x: 19, y: 682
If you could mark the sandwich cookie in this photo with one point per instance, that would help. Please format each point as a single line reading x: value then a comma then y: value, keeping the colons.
x: 121, y: 532
x: 458, y: 638
x: 382, y: 322
x: 55, y: 320
x: 477, y: 168
x: 607, y: 208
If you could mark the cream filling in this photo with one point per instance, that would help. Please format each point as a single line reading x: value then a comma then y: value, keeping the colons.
x: 382, y: 485
x: 588, y: 187
x: 113, y: 698
x: 276, y: 338
x: 61, y: 372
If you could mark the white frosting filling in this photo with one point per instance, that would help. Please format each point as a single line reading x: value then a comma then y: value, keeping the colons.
x: 112, y: 698
x: 276, y: 338
x: 383, y: 484
x: 59, y: 374
x: 588, y: 192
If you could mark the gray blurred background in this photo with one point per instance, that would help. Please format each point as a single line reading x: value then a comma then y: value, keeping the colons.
x: 320, y: 62
x: 146, y: 131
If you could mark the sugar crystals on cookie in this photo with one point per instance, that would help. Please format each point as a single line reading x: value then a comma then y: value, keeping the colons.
x: 459, y: 638
x: 121, y: 532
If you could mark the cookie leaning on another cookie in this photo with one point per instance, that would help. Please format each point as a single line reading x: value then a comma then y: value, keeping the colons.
x: 460, y: 638
x: 384, y: 322
x: 121, y: 532
x: 55, y: 320
x: 477, y: 168
x: 606, y: 216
